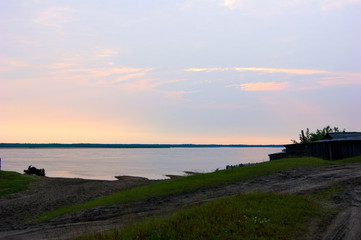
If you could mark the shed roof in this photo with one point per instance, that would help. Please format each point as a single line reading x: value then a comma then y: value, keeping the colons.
x: 332, y: 137
x: 343, y: 136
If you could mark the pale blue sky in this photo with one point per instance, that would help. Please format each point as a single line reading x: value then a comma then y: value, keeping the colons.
x: 196, y: 71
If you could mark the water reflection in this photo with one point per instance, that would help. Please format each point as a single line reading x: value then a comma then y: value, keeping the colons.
x: 104, y: 164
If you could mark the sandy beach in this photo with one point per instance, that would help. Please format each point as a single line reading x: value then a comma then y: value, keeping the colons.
x: 17, y: 210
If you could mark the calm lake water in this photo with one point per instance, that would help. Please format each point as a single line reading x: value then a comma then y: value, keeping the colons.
x: 105, y: 163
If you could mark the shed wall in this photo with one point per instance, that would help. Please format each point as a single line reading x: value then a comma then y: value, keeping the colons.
x: 330, y: 150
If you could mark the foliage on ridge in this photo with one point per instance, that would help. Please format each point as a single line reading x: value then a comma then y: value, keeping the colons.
x: 315, y: 136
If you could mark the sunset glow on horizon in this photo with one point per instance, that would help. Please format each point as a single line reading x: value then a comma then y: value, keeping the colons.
x: 192, y: 71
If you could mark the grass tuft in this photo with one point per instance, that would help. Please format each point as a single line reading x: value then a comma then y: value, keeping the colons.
x: 12, y: 182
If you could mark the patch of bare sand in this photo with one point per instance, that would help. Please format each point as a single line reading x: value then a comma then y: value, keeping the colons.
x: 48, y: 194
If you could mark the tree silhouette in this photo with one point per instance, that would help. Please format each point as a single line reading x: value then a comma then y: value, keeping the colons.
x: 315, y: 136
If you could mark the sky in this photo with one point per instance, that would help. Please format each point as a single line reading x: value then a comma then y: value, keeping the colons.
x: 185, y: 71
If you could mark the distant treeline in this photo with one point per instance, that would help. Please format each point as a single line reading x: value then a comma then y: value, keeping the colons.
x: 97, y: 145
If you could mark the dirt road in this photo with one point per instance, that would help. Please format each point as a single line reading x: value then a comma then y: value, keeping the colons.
x: 47, y: 194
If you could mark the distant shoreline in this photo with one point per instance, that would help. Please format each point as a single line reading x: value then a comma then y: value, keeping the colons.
x: 99, y: 145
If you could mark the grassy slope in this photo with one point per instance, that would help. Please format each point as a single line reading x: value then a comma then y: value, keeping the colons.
x: 244, y: 216
x: 191, y: 183
x: 12, y: 182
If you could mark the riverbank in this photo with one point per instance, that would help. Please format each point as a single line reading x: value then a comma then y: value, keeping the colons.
x: 47, y: 194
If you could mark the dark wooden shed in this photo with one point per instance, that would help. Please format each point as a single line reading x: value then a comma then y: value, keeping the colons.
x: 333, y: 146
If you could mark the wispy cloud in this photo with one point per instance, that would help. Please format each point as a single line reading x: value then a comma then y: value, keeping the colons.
x: 108, y: 53
x: 207, y: 69
x: 263, y: 86
x: 55, y: 17
x: 139, y: 85
x: 13, y: 62
x: 345, y: 79
x: 177, y: 95
x: 146, y: 84
x: 266, y: 70
x: 335, y: 79
x: 95, y: 76
x: 152, y: 85
x: 60, y: 65
x: 282, y: 70
x: 108, y: 71
x: 8, y: 64
x: 129, y: 76
x: 229, y: 106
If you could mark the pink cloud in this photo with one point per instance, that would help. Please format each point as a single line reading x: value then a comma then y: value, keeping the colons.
x: 220, y: 106
x: 103, y: 76
x: 108, y: 53
x: 7, y: 64
x: 129, y: 76
x: 347, y: 79
x: 207, y: 69
x: 139, y: 85
x: 55, y: 17
x: 266, y: 70
x: 150, y: 85
x: 263, y: 86
x: 108, y: 71
x: 177, y: 95
x: 282, y: 70
x: 339, y: 79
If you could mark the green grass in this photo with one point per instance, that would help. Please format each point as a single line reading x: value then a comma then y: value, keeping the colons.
x: 244, y: 216
x: 350, y: 160
x: 326, y: 198
x: 12, y: 182
x: 328, y: 193
x: 190, y: 183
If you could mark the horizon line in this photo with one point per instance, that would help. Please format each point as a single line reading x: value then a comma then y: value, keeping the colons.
x: 122, y: 145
